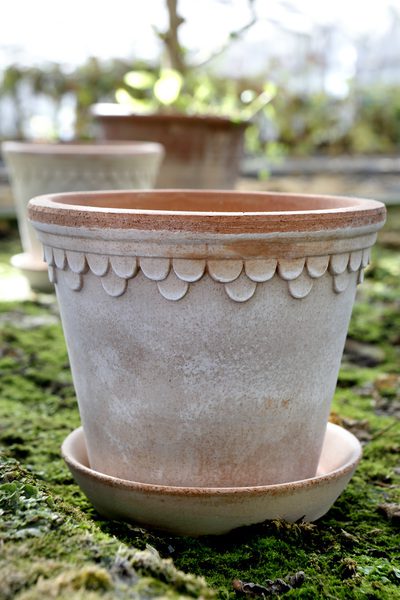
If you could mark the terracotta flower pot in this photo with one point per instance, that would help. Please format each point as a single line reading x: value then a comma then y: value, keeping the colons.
x: 205, y: 329
x: 39, y: 168
x: 201, y: 151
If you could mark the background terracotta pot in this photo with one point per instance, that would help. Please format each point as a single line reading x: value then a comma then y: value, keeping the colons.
x: 39, y: 168
x: 201, y: 151
x: 205, y: 330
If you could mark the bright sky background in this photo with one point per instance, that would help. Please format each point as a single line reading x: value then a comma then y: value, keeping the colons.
x: 291, y: 32
x: 69, y: 32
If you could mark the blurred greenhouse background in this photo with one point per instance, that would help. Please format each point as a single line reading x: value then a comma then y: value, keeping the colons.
x: 331, y: 73
x: 319, y: 83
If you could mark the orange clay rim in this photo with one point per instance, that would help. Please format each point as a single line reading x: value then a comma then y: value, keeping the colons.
x: 207, y: 211
x: 104, y: 111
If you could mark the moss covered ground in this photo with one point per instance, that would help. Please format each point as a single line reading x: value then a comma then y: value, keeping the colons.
x: 54, y: 545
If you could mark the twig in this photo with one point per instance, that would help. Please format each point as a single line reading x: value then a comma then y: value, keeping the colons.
x: 234, y: 35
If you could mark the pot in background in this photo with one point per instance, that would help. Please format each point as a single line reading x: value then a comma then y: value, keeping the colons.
x: 41, y: 168
x: 201, y: 151
x: 205, y: 329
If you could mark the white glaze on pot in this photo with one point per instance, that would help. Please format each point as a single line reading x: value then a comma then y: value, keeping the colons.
x: 205, y: 358
x: 40, y: 168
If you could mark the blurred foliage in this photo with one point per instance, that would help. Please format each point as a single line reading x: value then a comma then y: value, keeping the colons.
x: 366, y: 121
x: 195, y: 93
x: 86, y: 84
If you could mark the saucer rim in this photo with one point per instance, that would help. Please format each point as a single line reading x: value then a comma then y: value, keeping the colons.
x: 157, y: 489
x: 25, y: 262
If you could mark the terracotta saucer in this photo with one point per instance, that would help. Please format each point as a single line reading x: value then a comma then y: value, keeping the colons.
x: 211, y: 511
x: 36, y: 273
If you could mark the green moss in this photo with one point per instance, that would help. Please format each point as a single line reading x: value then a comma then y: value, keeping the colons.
x: 53, y: 544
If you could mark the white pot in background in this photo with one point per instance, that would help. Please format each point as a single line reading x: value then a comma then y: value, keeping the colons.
x: 41, y: 168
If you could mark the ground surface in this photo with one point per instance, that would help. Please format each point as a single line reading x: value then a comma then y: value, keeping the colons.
x: 54, y: 545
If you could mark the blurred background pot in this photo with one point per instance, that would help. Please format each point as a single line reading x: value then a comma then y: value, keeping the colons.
x: 205, y: 329
x: 201, y: 151
x: 40, y: 168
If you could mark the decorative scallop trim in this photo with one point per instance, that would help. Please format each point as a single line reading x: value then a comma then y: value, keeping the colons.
x: 174, y: 276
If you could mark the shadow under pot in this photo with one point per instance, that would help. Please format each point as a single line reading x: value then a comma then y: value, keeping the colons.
x: 205, y: 329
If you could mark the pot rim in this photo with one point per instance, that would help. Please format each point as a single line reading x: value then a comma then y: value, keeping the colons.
x: 170, y: 210
x: 114, y: 111
x: 104, y: 148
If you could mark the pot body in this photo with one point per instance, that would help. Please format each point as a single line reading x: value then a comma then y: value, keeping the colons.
x: 201, y: 152
x: 37, y: 168
x: 203, y: 358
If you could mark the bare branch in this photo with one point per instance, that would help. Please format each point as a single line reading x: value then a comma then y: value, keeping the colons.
x: 234, y: 35
x: 171, y: 37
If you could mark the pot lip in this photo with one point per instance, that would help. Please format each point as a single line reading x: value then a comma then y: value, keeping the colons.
x: 169, y: 490
x: 117, y: 112
x: 107, y: 210
x: 94, y: 148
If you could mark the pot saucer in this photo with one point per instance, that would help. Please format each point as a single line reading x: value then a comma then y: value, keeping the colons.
x: 35, y: 272
x: 211, y: 511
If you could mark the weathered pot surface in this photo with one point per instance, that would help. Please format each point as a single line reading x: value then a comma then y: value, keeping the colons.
x: 202, y: 151
x: 205, y: 329
x: 40, y: 168
x: 213, y: 511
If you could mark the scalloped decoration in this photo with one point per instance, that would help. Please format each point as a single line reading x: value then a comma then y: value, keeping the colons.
x: 338, y: 263
x: 52, y: 274
x: 260, y: 269
x: 98, y: 264
x: 189, y: 270
x: 155, y: 269
x: 290, y: 268
x: 366, y: 257
x: 341, y: 281
x: 224, y: 270
x: 59, y: 258
x: 355, y: 261
x: 48, y: 256
x: 73, y: 280
x: 241, y: 289
x: 301, y: 286
x: 173, y: 288
x: 124, y: 266
x: 240, y: 278
x: 317, y: 266
x: 76, y: 261
x: 114, y: 286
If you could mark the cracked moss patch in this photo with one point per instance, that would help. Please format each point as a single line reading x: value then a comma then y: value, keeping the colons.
x: 53, y: 544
